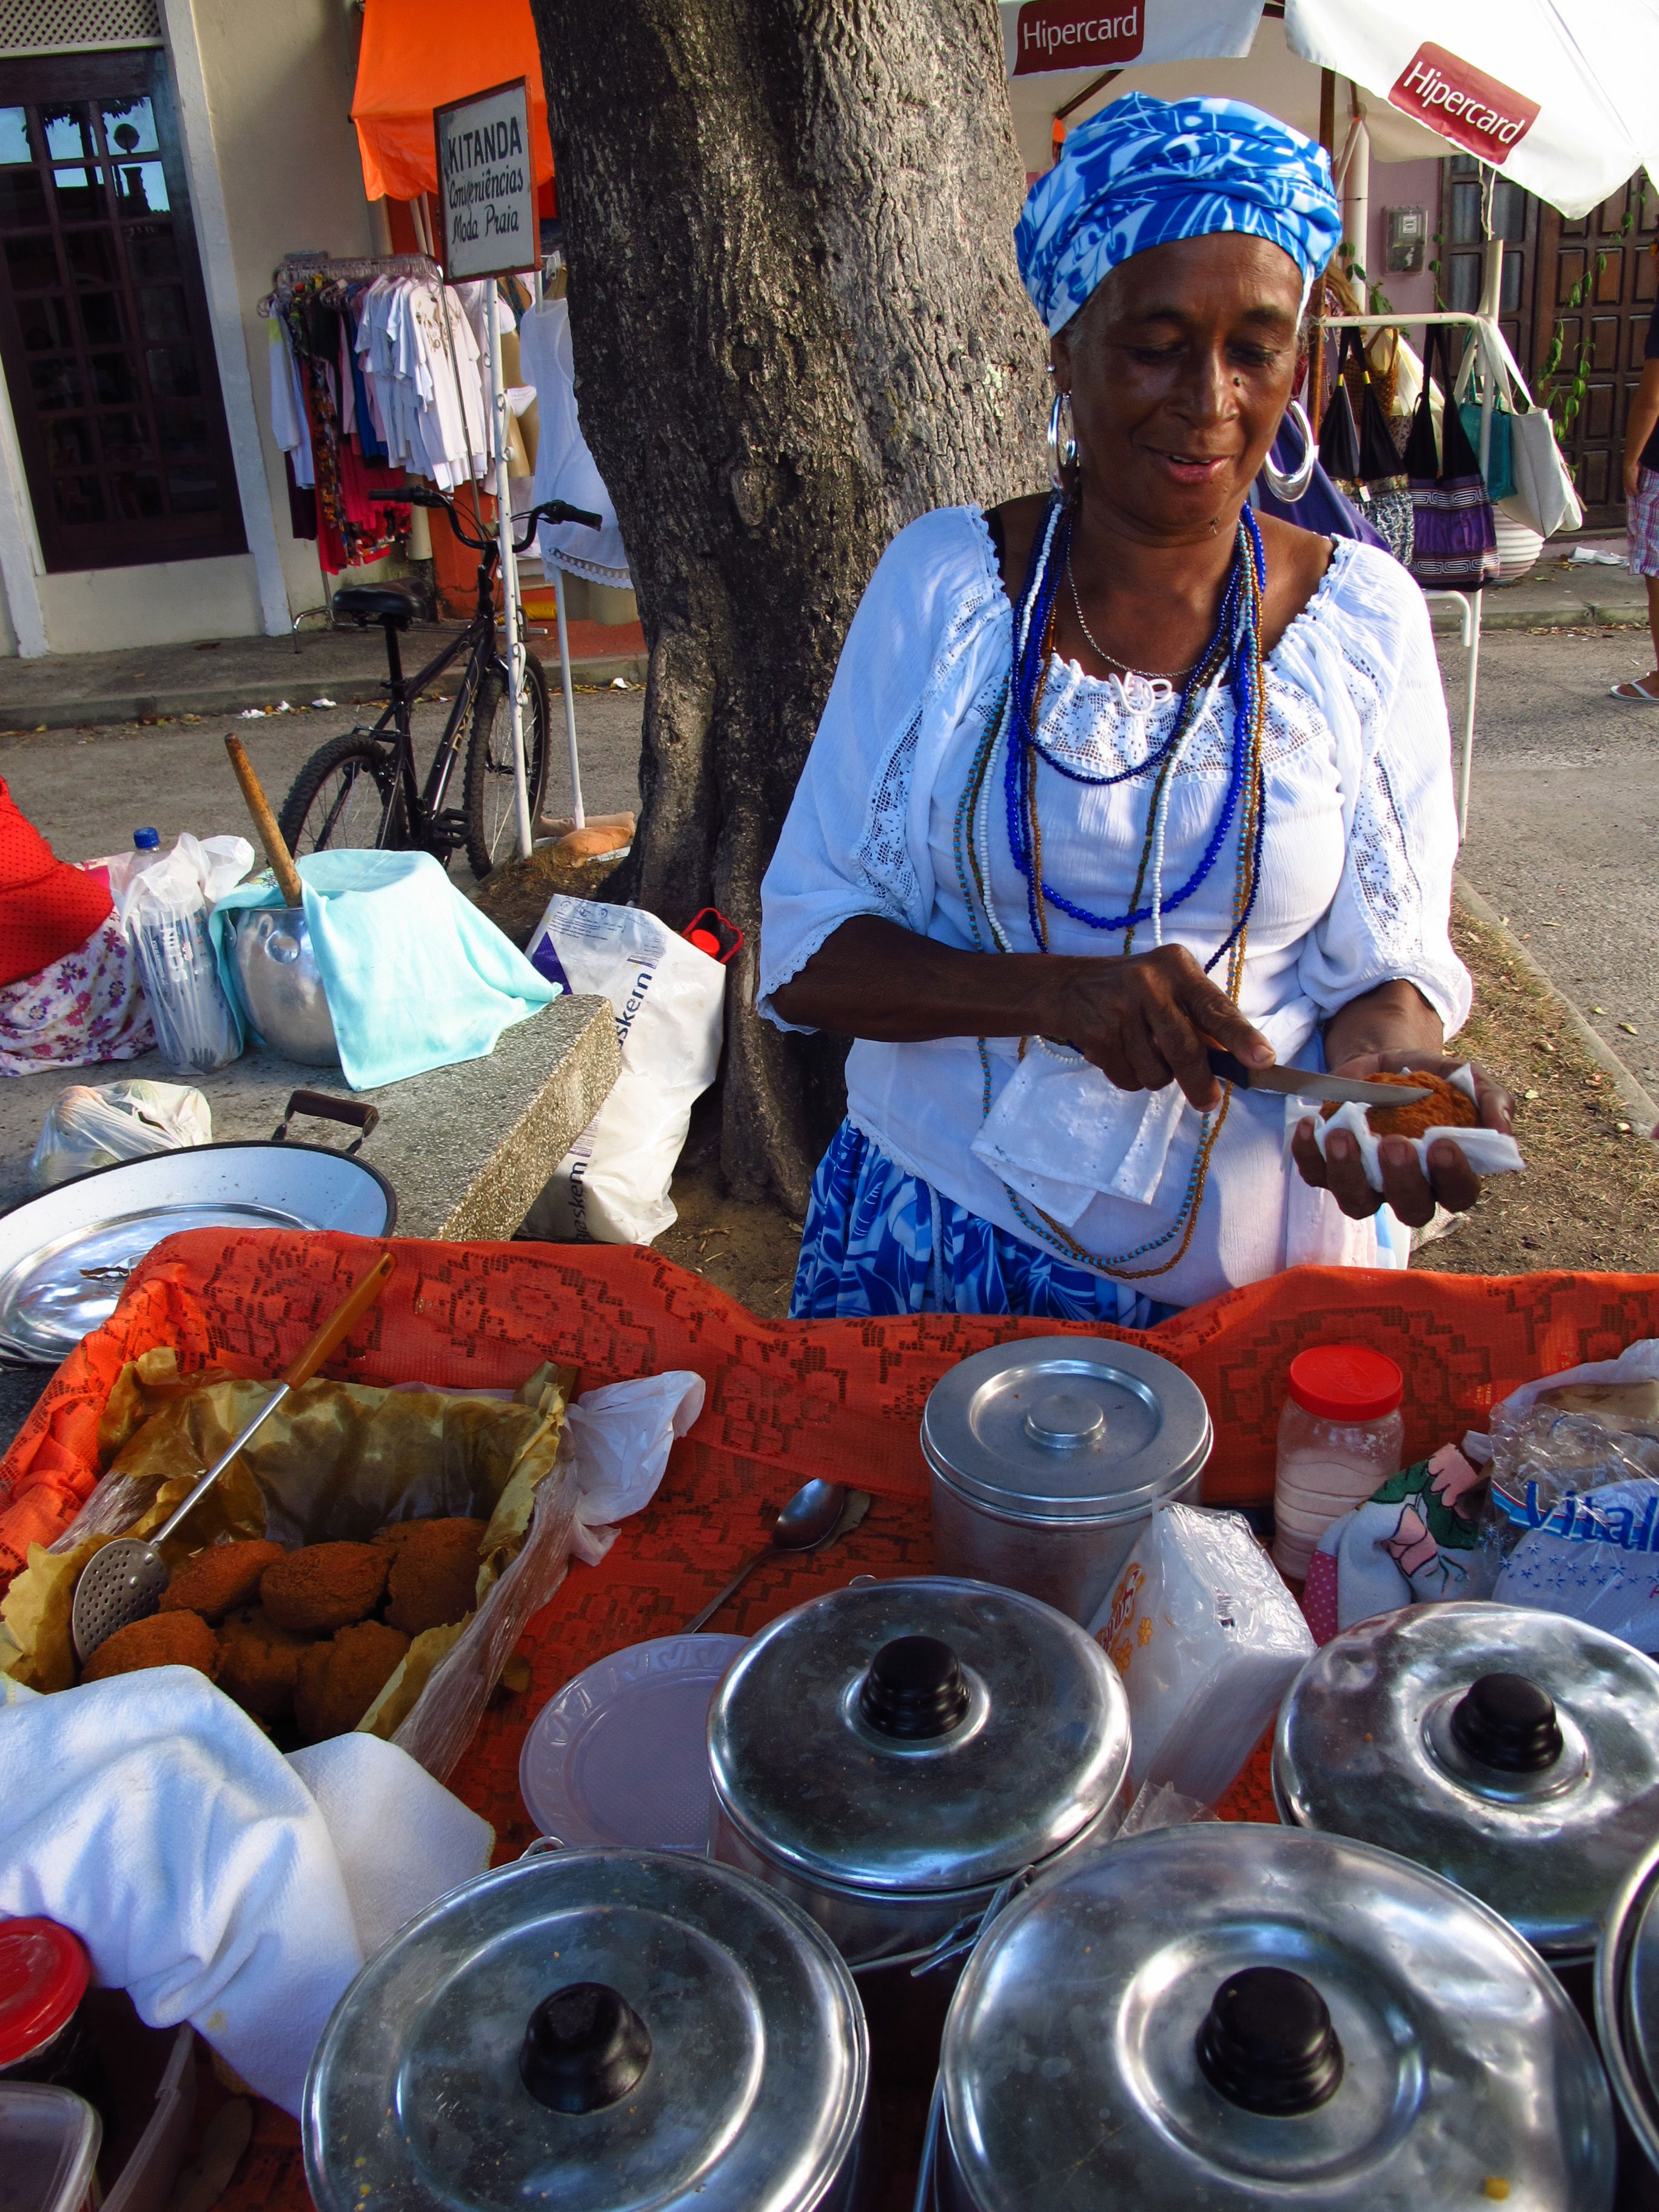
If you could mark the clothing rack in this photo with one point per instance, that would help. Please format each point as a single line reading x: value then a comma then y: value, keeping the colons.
x: 351, y: 268
x: 1468, y: 602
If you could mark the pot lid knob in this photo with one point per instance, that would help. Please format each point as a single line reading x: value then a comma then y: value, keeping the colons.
x: 585, y: 2047
x: 916, y: 1688
x: 1064, y: 1421
x: 1507, y: 1722
x: 1267, y: 2044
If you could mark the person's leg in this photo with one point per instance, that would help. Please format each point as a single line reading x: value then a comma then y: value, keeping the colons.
x: 1641, y: 538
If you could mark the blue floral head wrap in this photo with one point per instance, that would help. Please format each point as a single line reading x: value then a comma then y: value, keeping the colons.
x: 1145, y: 171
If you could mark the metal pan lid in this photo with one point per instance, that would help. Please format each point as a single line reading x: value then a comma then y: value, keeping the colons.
x: 592, y: 2029
x: 1065, y: 1428
x: 1242, y: 2016
x: 1515, y: 1752
x: 1627, y: 2001
x: 917, y: 1737
x: 65, y: 1255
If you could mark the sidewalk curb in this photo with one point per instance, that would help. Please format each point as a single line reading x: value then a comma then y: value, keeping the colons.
x: 1642, y: 1109
x: 20, y: 718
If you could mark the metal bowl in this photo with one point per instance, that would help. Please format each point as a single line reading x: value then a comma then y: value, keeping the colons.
x: 280, y: 985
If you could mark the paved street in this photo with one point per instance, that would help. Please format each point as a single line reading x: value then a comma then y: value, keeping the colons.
x: 88, y: 790
x: 1563, y: 821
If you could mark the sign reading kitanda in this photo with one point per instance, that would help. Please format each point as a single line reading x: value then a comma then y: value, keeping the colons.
x: 486, y: 183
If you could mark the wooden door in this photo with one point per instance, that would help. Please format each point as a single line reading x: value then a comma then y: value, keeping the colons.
x: 1599, y: 303
x: 104, y: 330
x: 1515, y: 217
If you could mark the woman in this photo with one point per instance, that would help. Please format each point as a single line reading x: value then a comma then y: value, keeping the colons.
x: 1108, y: 775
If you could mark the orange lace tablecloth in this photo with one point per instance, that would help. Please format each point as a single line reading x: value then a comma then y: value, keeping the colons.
x: 787, y: 1401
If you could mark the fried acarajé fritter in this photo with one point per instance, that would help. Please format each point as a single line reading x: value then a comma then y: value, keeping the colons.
x: 339, y: 1681
x: 220, y: 1579
x: 166, y: 1639
x: 1445, y: 1107
x: 257, y: 1663
x: 435, y: 1577
x: 323, y: 1587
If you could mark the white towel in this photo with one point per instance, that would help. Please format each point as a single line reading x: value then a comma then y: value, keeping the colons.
x: 153, y: 1817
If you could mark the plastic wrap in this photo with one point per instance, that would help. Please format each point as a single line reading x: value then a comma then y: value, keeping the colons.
x: 94, y: 1125
x: 1208, y: 1639
x: 163, y: 912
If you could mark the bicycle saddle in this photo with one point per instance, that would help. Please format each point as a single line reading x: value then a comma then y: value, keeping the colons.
x: 367, y: 603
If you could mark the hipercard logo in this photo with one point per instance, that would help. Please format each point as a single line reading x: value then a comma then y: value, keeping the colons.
x: 1053, y: 34
x: 1463, y: 104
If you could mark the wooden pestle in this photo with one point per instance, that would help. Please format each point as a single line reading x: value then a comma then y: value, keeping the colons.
x: 275, y: 845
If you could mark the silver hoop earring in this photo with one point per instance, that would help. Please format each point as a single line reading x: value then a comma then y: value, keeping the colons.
x: 1062, y: 443
x: 1293, y: 487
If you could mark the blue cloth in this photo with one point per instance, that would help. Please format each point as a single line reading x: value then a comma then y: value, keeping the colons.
x: 1145, y: 171
x: 417, y: 977
x: 878, y: 1241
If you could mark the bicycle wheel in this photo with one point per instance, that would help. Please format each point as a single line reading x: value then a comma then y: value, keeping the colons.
x: 491, y: 797
x: 346, y: 795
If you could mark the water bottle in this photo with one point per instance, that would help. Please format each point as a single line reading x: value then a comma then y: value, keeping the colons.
x: 146, y: 841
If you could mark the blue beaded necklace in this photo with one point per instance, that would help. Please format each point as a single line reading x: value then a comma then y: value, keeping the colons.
x: 1236, y: 642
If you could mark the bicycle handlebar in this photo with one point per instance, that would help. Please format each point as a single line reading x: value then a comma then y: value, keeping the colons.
x: 550, y: 510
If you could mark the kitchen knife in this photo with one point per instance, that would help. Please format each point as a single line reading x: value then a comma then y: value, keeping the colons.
x: 1305, y: 1082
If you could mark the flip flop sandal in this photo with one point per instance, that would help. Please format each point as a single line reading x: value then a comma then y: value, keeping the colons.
x: 1633, y: 693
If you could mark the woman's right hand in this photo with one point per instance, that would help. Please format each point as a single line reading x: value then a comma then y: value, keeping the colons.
x: 1149, y: 1020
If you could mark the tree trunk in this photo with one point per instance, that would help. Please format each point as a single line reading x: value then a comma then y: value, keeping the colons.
x: 797, y: 325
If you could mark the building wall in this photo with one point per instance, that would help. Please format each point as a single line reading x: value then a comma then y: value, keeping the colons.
x: 264, y: 99
x: 1403, y: 184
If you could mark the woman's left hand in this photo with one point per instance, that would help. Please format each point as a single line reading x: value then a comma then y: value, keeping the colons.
x: 1450, y: 1182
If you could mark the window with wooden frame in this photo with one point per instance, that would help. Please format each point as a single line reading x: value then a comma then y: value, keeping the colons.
x: 104, y: 330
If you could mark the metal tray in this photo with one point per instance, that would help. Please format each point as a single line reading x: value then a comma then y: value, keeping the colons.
x: 65, y: 1255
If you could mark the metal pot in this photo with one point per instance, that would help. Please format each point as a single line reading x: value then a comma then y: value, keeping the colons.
x: 1627, y: 2001
x: 595, y: 2030
x: 279, y: 983
x: 1050, y: 1454
x: 1243, y: 2017
x: 888, y: 1755
x: 1516, y: 1752
x: 65, y: 1255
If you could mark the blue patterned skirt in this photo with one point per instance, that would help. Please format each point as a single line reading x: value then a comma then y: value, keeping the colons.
x: 878, y: 1241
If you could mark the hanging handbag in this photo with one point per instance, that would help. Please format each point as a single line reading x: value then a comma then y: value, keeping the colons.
x: 1377, y: 486
x: 1454, y: 542
x: 1545, y: 498
x: 1339, y: 434
x: 1500, y: 471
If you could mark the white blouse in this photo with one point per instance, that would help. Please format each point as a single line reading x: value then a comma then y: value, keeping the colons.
x: 1356, y: 889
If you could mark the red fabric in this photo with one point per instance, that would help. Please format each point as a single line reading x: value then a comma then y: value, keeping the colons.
x: 47, y: 908
x: 787, y: 1400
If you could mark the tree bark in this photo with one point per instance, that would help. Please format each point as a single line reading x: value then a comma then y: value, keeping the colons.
x: 797, y: 325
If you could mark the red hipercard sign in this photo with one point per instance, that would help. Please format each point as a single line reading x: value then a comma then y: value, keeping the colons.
x: 1059, y: 34
x: 1463, y: 104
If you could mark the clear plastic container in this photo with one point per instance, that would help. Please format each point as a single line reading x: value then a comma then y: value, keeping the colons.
x: 50, y: 2139
x: 1340, y: 1436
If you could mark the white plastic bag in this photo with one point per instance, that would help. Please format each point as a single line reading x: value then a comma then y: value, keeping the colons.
x: 612, y: 1185
x: 1208, y: 1639
x: 94, y: 1125
x: 163, y: 911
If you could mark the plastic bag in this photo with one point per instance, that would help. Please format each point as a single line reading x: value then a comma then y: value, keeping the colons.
x: 612, y: 1185
x: 1572, y: 1524
x: 1208, y: 1639
x: 163, y: 912
x: 94, y: 1125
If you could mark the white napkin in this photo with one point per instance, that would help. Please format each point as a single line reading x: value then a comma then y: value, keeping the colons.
x: 152, y: 1816
x: 1488, y: 1151
x: 1061, y: 1134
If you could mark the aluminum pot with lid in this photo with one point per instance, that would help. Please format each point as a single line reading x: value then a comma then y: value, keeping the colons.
x: 889, y: 1754
x: 593, y: 2030
x: 281, y: 984
x: 1050, y: 1454
x: 1239, y: 2017
x: 1516, y: 1753
x: 1627, y: 2001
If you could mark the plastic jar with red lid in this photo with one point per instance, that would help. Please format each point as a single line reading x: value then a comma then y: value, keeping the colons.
x: 1340, y: 1436
x: 45, y: 2035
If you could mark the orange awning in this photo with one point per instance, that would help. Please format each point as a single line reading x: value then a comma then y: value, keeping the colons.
x: 420, y: 54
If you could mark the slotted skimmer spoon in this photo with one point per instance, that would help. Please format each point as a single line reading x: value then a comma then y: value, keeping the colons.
x: 123, y: 1581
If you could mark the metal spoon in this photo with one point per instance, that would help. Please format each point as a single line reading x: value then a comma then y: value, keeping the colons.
x: 810, y: 1518
x: 123, y: 1582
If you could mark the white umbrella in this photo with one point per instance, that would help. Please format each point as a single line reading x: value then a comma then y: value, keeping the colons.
x: 1560, y: 95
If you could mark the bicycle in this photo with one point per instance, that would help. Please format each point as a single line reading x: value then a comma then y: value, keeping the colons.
x: 360, y: 789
